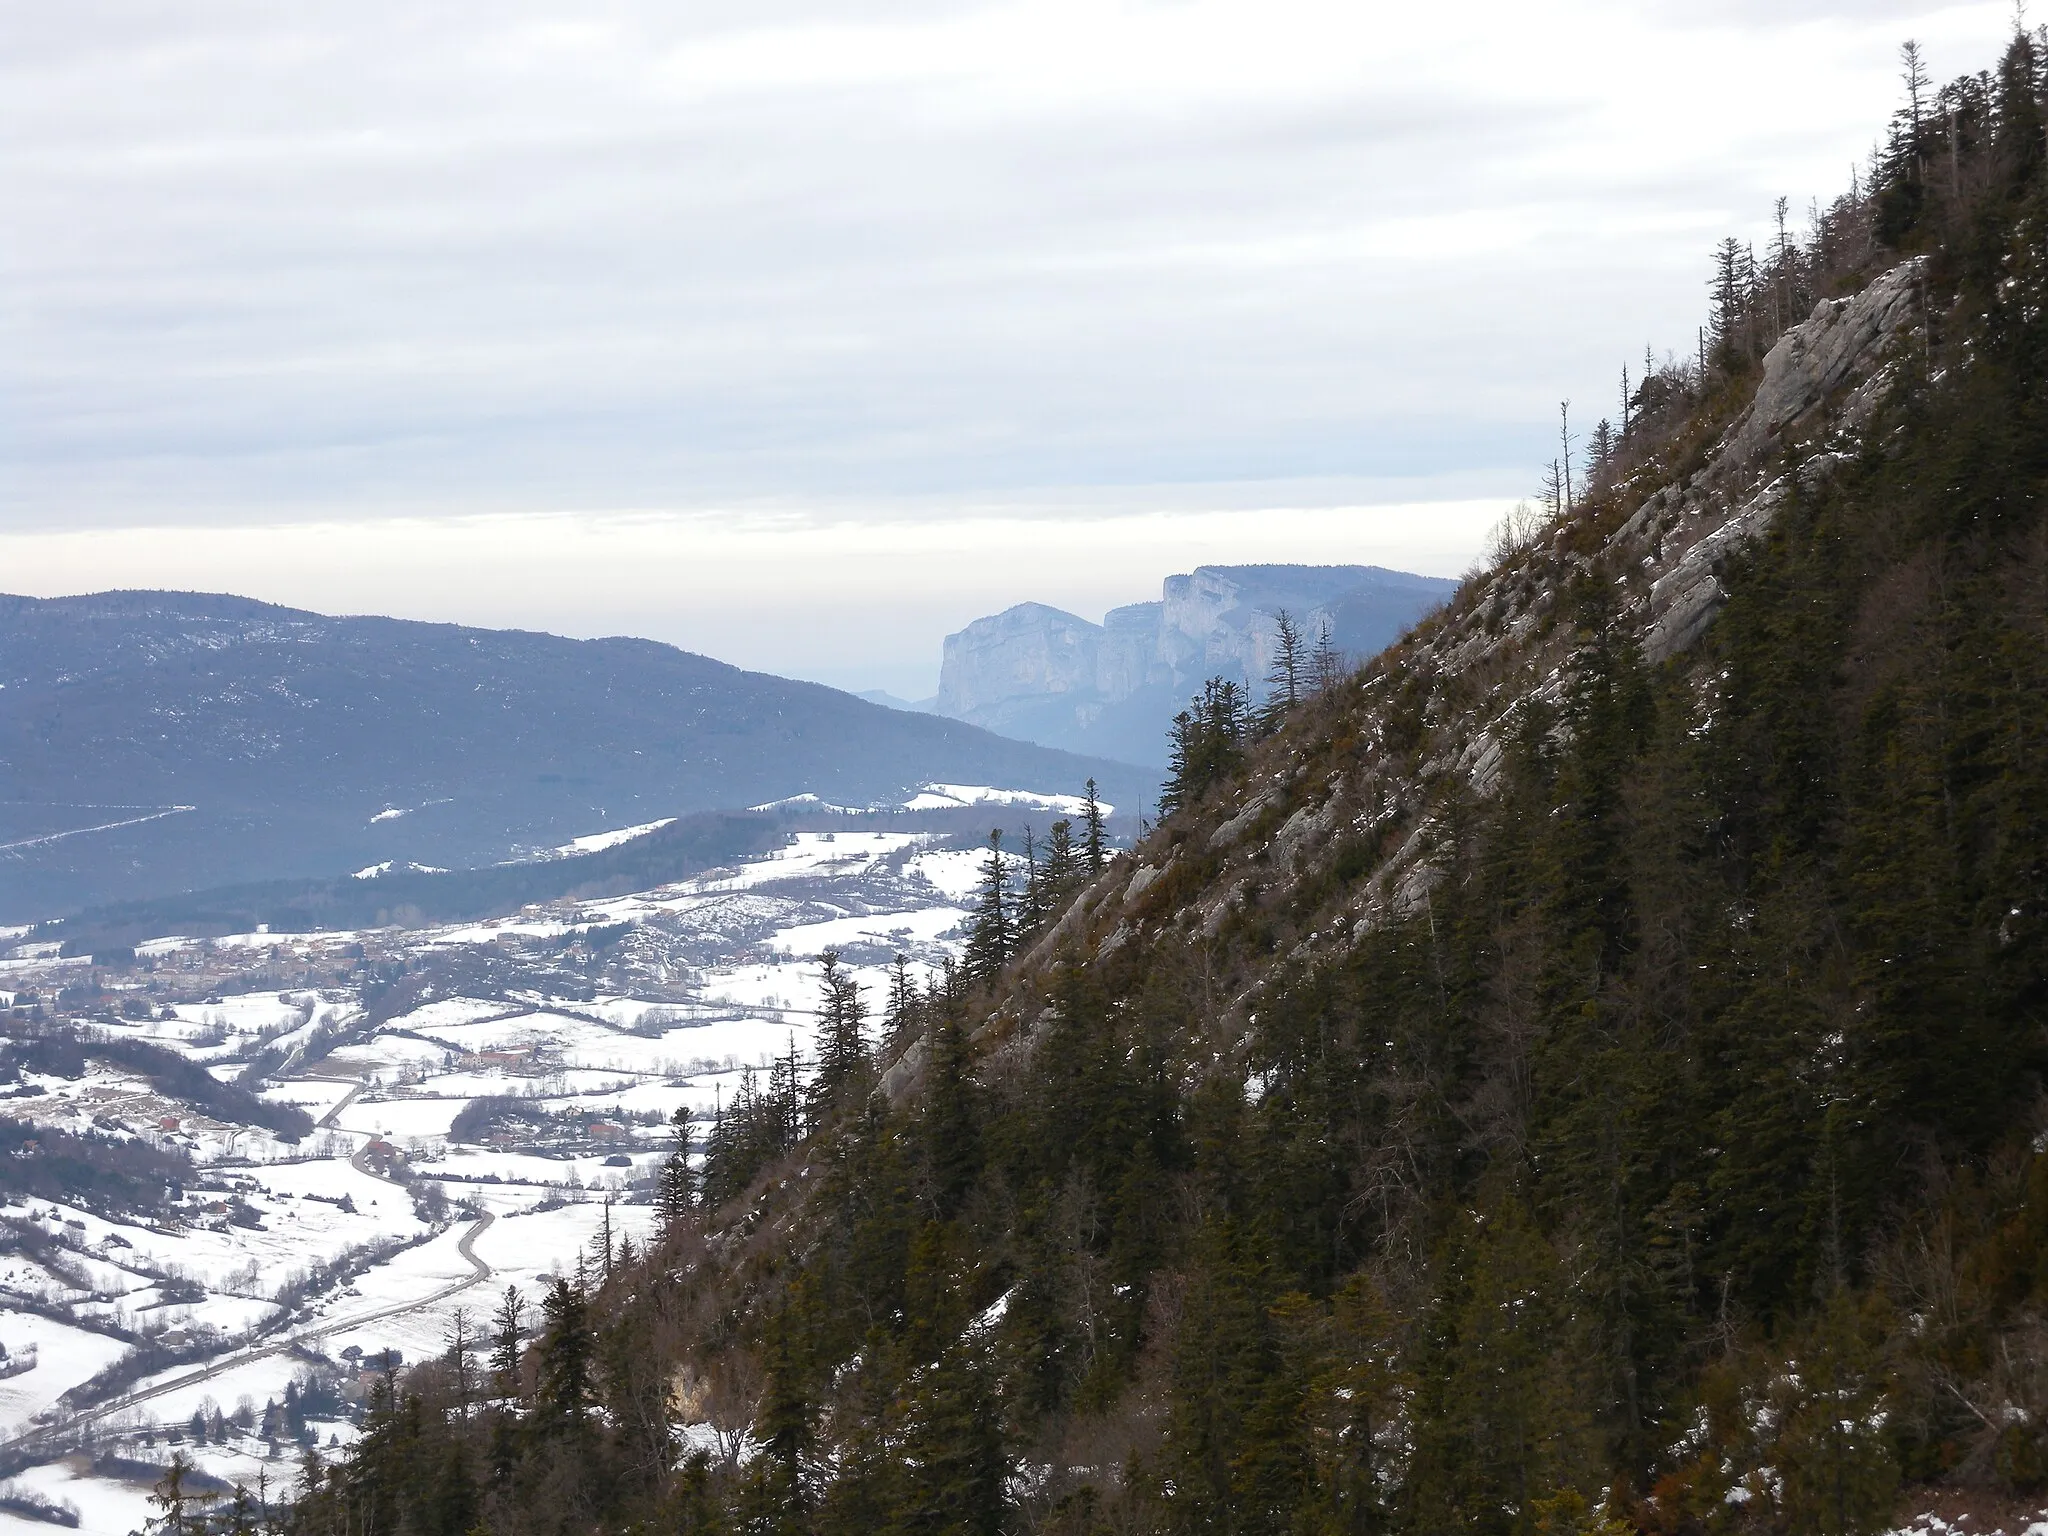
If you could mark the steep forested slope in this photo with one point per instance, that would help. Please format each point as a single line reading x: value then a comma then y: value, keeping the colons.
x: 1581, y: 1074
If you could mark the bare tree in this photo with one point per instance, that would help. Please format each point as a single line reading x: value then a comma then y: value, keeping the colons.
x: 460, y: 1342
x: 1326, y: 663
x: 1564, y: 438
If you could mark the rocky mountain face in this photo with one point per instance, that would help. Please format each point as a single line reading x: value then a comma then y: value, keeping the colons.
x: 155, y: 742
x: 1049, y: 676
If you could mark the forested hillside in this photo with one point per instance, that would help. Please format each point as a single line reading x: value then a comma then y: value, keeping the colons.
x: 1580, y: 1074
x: 159, y: 743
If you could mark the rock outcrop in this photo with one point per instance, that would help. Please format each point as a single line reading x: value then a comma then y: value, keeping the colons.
x: 1818, y: 392
x: 1049, y: 676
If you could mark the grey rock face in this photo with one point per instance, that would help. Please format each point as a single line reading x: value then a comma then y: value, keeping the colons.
x: 1821, y: 385
x: 1692, y: 529
x: 1049, y: 676
x: 1026, y: 650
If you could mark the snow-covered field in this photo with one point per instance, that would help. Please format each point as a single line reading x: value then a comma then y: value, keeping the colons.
x: 66, y: 1356
x: 352, y: 1238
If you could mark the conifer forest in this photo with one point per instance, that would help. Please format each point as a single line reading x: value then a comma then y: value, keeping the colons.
x: 1578, y: 1071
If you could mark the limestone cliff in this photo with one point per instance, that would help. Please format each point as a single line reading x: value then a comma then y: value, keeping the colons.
x: 1049, y: 676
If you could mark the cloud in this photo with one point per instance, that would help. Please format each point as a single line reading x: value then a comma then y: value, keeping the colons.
x: 322, y: 262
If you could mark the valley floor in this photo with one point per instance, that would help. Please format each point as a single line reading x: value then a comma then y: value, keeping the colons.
x: 287, y: 1262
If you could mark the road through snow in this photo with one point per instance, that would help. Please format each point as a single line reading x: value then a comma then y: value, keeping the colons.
x: 49, y: 1434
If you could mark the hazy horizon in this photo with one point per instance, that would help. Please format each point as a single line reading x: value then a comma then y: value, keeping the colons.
x: 802, y: 339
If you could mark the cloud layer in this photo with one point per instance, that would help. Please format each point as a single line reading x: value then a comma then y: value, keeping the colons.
x: 316, y: 263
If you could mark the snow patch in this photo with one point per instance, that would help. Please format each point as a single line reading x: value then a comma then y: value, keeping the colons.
x: 940, y: 797
x: 803, y: 802
x: 596, y: 842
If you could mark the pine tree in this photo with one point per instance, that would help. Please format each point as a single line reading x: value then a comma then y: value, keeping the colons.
x: 508, y: 1325
x: 900, y: 1013
x: 1840, y: 1476
x: 2020, y: 143
x: 1031, y: 901
x: 1060, y: 873
x: 675, y: 1191
x: 604, y: 1243
x: 1730, y: 303
x: 953, y: 1451
x: 564, y: 1351
x: 171, y: 1501
x: 951, y: 1119
x: 783, y: 1122
x: 785, y: 1425
x: 452, y: 1505
x: 239, y: 1518
x: 714, y: 1182
x: 991, y: 930
x: 1205, y: 745
x: 696, y: 1511
x: 1287, y: 677
x: 842, y: 1072
x: 1094, y: 844
x: 460, y: 1347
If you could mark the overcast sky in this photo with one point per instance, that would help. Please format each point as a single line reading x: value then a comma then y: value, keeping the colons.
x: 800, y: 333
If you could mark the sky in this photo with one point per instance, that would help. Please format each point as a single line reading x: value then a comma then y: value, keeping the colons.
x: 800, y: 333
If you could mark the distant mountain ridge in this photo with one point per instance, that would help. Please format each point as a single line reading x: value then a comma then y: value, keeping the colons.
x: 154, y: 742
x: 1049, y: 676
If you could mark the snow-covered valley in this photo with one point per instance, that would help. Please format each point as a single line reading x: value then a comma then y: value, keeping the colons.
x: 486, y: 1101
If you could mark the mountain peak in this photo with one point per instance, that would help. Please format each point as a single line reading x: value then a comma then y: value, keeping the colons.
x: 1046, y: 675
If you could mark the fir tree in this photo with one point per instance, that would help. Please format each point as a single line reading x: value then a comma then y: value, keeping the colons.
x: 563, y: 1397
x: 1205, y: 745
x: 900, y: 1013
x: 1060, y: 872
x: 953, y: 1453
x: 1094, y: 843
x: 780, y: 1496
x: 507, y: 1328
x: 1287, y: 678
x: 991, y: 930
x: 675, y: 1190
x: 842, y: 1070
x: 951, y: 1128
x: 172, y: 1502
x: 1032, y: 900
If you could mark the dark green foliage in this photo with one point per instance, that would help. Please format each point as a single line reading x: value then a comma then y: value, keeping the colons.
x: 842, y: 1071
x: 953, y: 1451
x: 1094, y: 844
x: 675, y: 1191
x: 992, y: 927
x: 563, y: 1394
x: 1205, y: 744
x: 1665, y: 1161
x: 116, y: 1177
x: 757, y: 1127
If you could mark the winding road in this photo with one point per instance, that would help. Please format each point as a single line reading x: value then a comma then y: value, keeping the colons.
x: 278, y: 1346
x: 66, y: 1428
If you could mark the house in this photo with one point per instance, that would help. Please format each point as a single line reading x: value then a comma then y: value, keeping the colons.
x: 500, y: 1060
